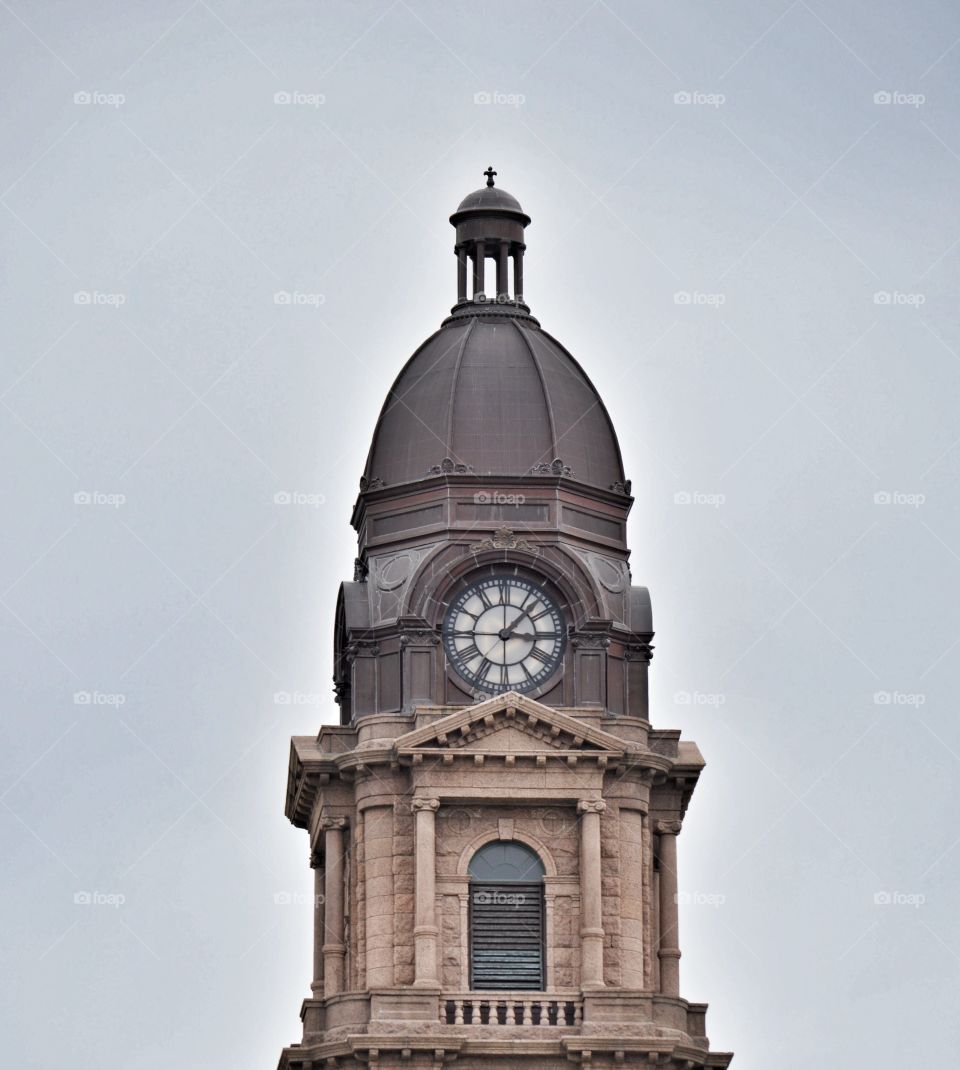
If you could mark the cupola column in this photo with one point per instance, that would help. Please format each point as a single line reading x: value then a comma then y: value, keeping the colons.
x: 591, y: 904
x: 669, y: 936
x: 518, y: 275
x: 426, y: 932
x: 461, y: 273
x: 334, y: 949
x: 503, y: 274
x: 479, y: 260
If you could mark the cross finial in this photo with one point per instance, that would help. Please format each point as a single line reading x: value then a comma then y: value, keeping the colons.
x: 489, y: 173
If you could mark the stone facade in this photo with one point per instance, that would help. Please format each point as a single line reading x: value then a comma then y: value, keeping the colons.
x: 599, y: 799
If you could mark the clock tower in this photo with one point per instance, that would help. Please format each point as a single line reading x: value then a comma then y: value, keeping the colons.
x: 493, y: 823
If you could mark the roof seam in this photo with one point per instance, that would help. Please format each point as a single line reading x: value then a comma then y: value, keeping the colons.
x: 543, y: 388
x: 453, y: 385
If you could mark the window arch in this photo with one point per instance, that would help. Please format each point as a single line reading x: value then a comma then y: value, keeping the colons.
x: 506, y: 917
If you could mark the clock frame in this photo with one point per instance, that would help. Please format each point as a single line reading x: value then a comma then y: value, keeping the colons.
x: 504, y: 632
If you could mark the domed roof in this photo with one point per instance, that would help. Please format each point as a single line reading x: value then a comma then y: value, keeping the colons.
x: 493, y: 396
x: 492, y: 197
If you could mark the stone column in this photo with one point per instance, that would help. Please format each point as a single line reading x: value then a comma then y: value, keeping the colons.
x: 518, y: 275
x: 669, y: 935
x: 378, y: 899
x: 319, y: 897
x: 503, y: 276
x: 425, y: 931
x: 591, y: 904
x: 631, y: 897
x: 334, y: 949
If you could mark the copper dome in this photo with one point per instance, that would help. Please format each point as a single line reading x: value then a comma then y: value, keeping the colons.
x: 493, y: 395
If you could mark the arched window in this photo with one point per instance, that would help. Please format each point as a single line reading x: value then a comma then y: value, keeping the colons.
x: 506, y: 917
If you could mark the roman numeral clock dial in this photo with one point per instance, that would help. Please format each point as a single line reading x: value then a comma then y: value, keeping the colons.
x: 503, y: 634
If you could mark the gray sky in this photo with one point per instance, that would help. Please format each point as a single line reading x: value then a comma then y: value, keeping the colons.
x: 736, y: 155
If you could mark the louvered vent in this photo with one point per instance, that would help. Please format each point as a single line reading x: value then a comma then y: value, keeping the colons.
x: 506, y: 935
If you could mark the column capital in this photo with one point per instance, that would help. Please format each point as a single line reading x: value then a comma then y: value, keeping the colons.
x: 591, y: 806
x: 328, y: 823
x: 668, y: 828
x: 425, y: 804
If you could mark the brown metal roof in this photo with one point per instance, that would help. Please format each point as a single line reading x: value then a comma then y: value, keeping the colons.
x: 500, y: 396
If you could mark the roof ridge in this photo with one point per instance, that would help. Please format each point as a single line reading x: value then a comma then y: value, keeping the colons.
x: 543, y: 388
x: 455, y: 378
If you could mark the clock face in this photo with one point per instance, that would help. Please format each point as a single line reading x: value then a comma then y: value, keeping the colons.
x: 504, y: 633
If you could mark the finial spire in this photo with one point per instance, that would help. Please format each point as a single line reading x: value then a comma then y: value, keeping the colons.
x: 489, y: 173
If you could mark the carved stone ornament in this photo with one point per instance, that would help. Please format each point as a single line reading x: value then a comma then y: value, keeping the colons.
x: 556, y: 467
x: 450, y: 467
x: 361, y: 647
x: 360, y: 569
x: 624, y: 486
x: 371, y: 484
x: 425, y: 804
x: 422, y: 636
x: 590, y: 642
x: 639, y: 652
x: 669, y: 828
x: 591, y: 806
x: 333, y: 823
x: 505, y: 539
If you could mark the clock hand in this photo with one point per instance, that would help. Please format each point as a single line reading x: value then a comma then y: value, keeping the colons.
x: 535, y: 636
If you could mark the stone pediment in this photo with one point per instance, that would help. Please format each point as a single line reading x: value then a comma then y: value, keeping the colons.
x: 510, y: 723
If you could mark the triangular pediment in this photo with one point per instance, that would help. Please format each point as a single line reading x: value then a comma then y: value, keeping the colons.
x: 510, y: 723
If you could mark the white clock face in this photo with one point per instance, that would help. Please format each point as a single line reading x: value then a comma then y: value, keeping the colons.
x: 504, y: 633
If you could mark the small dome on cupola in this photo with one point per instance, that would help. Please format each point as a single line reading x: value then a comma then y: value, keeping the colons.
x: 490, y: 198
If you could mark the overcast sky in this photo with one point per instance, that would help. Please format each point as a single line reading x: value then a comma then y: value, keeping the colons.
x: 744, y: 227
